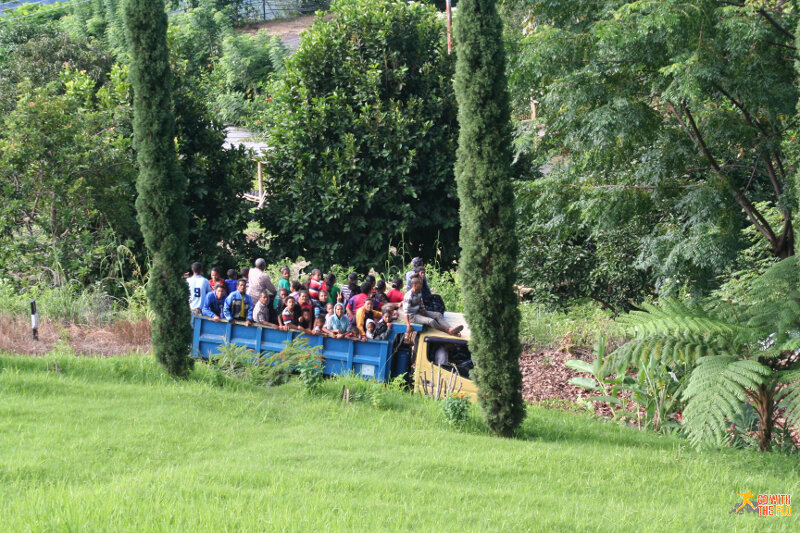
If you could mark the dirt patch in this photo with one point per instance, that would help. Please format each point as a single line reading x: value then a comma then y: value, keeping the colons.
x: 545, y: 377
x: 118, y: 338
x: 288, y: 30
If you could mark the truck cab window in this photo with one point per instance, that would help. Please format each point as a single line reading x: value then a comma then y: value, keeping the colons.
x: 451, y: 356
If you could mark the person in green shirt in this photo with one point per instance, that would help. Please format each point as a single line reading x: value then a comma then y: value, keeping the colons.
x: 334, y: 291
x: 284, y: 282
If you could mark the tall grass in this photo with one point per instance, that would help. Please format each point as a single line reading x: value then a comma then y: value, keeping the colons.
x: 73, y: 303
x: 579, y: 325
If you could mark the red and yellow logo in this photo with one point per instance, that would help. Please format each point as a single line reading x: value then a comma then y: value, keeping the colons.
x: 764, y: 505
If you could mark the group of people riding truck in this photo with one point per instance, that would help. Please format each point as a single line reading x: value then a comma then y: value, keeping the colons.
x: 318, y: 306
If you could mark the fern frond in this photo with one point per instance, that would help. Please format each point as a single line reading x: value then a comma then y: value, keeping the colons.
x: 774, y: 302
x: 673, y: 317
x: 278, y: 54
x: 716, y: 391
x: 682, y: 348
x: 789, y: 397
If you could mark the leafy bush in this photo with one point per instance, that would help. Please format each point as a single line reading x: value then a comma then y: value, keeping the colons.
x: 265, y: 369
x: 564, y: 257
x: 67, y: 174
x: 363, y: 127
x: 456, y: 410
x: 309, y: 363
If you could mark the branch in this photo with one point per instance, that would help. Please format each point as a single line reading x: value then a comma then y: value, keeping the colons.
x: 777, y: 26
x: 671, y: 107
x: 700, y: 141
x: 756, y: 218
x: 773, y: 43
x: 773, y: 178
x: 753, y: 214
x: 756, y: 124
x: 774, y: 11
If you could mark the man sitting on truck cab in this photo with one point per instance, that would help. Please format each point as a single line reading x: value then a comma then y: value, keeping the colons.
x: 239, y: 305
x: 414, y: 311
x: 213, y: 303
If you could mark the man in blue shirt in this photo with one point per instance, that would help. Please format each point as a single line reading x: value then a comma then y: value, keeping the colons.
x: 239, y: 305
x: 214, y: 302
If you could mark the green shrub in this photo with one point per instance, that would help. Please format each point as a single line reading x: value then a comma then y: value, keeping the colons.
x: 456, y: 410
x: 308, y: 363
x: 265, y: 369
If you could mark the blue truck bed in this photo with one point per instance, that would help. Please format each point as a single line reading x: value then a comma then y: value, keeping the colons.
x: 370, y: 359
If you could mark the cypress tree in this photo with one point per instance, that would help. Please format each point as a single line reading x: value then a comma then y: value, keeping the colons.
x: 488, y: 239
x: 160, y: 202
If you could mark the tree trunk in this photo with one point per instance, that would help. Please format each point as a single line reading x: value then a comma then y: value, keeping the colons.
x: 764, y: 404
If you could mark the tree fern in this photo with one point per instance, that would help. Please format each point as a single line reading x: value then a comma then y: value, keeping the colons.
x: 736, y: 352
x: 675, y: 317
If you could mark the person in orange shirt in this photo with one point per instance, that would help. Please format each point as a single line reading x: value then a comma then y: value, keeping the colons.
x: 364, y: 312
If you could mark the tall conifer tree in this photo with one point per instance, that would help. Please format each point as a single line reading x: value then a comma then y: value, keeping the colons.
x: 160, y: 203
x: 488, y: 242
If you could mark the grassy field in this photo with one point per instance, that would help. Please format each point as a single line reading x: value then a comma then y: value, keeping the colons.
x: 115, y: 445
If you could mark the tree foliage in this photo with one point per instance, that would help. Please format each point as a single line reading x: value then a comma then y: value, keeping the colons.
x: 160, y: 205
x: 564, y: 257
x: 67, y: 178
x: 363, y: 130
x: 488, y: 244
x: 674, y: 113
x: 67, y: 127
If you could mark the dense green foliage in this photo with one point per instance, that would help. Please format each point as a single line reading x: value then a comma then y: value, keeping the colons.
x: 488, y: 247
x: 66, y: 176
x: 66, y: 127
x: 115, y: 444
x: 739, y: 353
x: 362, y: 125
x: 160, y: 204
x: 666, y: 124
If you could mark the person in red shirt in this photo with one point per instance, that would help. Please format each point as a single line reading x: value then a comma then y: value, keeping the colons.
x: 357, y: 300
x: 395, y: 295
x: 315, y: 284
x: 216, y: 279
x: 304, y: 302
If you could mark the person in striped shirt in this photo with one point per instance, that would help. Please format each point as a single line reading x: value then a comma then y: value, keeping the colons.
x: 315, y: 284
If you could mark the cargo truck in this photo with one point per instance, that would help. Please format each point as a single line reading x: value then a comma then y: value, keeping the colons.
x: 414, y: 355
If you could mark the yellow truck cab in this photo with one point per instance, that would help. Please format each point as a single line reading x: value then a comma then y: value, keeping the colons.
x: 443, y: 363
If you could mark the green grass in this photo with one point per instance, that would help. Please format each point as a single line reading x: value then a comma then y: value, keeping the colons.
x: 114, y: 444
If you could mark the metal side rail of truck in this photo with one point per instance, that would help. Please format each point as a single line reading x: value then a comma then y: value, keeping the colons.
x: 440, y: 363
